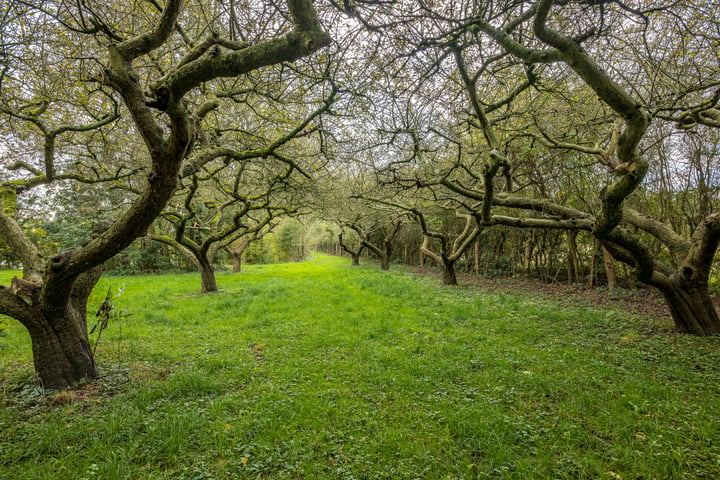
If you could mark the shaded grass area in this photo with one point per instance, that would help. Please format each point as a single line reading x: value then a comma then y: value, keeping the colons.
x: 323, y: 370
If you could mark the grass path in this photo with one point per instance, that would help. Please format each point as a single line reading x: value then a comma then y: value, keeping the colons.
x: 320, y: 370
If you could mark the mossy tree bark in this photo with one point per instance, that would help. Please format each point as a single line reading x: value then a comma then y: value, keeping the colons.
x: 55, y: 312
x: 684, y: 286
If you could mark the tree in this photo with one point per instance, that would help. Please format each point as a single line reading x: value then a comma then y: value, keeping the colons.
x: 608, y: 63
x: 685, y: 286
x: 353, y: 248
x: 226, y: 200
x: 203, y: 228
x: 238, y: 246
x: 159, y: 78
x: 451, y: 249
x: 377, y: 235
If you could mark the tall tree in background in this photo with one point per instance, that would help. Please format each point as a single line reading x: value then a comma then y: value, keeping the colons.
x: 158, y: 64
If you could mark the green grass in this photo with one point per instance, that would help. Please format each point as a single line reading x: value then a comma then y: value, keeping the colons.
x: 320, y: 370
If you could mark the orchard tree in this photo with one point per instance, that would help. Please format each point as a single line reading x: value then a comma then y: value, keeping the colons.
x: 207, y: 222
x: 158, y: 65
x: 452, y: 245
x: 632, y: 101
x: 377, y: 233
x: 239, y: 245
x: 614, y: 69
x: 243, y: 175
x: 449, y: 228
x: 352, y: 246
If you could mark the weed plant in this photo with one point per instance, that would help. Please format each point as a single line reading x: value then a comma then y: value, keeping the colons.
x: 320, y: 370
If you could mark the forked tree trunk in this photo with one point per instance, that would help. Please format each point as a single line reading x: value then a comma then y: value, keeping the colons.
x: 354, y: 254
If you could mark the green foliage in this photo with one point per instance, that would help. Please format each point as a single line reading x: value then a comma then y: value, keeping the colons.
x: 145, y: 256
x: 260, y: 252
x: 289, y: 245
x: 318, y: 370
x: 8, y: 258
x: 68, y: 233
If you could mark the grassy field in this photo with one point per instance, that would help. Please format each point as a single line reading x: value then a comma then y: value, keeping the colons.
x: 320, y: 370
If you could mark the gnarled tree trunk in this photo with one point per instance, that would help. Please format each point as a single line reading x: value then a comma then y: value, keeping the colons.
x: 54, y: 312
x: 691, y: 308
x: 61, y: 349
x: 449, y: 275
x: 57, y: 325
x: 686, y: 290
x: 207, y: 275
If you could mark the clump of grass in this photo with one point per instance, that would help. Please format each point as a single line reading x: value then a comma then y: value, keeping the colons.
x: 323, y: 370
